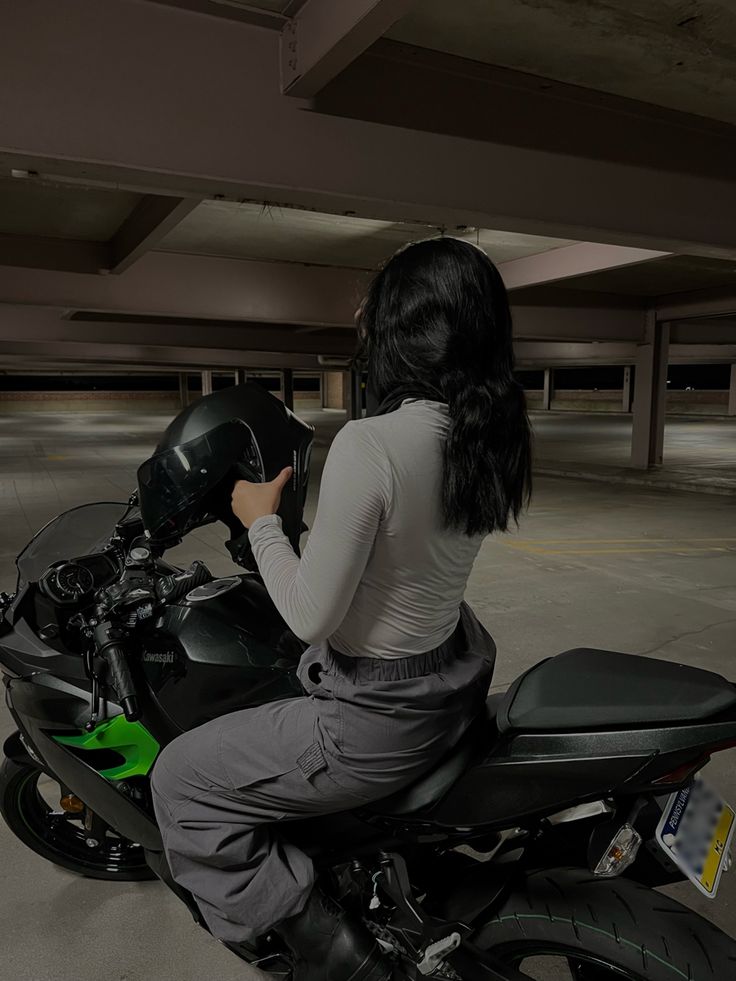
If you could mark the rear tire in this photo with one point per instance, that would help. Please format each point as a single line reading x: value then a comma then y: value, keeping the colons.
x: 606, y: 929
x: 59, y: 839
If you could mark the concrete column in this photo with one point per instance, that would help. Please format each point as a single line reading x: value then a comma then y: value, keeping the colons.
x: 356, y: 379
x: 287, y: 387
x: 650, y: 396
x: 334, y: 390
x: 549, y: 388
x: 352, y: 384
x: 183, y: 389
x: 627, y: 396
x: 732, y: 392
x: 206, y: 383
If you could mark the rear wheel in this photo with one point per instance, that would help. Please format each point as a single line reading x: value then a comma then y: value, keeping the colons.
x: 27, y: 797
x: 566, y: 925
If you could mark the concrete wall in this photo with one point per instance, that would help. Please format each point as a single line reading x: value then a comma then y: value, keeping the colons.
x: 606, y: 400
x: 609, y: 400
x: 110, y: 401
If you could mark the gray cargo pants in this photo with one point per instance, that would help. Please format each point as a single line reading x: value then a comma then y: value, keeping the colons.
x: 366, y: 729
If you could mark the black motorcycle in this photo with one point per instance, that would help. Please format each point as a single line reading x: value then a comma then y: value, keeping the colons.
x: 539, y: 838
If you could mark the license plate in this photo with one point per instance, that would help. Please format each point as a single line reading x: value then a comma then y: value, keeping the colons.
x: 695, y: 832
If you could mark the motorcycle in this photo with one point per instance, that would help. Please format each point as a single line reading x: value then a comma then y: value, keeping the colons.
x: 540, y: 837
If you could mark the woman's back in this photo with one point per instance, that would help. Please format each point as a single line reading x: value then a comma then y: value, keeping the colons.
x: 408, y: 598
x: 381, y: 575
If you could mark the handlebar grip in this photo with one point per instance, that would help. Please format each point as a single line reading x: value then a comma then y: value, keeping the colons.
x: 122, y: 681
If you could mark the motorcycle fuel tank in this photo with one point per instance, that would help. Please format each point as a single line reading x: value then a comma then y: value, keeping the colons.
x: 221, y: 648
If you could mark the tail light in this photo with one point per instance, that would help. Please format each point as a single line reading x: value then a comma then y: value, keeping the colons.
x: 726, y: 744
x: 681, y: 773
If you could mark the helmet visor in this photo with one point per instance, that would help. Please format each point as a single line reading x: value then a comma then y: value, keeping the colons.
x: 173, y: 484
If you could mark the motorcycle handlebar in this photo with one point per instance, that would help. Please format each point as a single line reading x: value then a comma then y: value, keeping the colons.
x: 120, y: 678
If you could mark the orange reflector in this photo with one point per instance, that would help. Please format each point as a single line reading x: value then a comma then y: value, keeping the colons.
x: 71, y: 804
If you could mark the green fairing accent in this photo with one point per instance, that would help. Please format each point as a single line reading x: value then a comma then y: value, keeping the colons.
x: 131, y: 739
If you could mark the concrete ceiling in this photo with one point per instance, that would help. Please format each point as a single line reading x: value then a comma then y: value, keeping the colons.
x: 674, y: 274
x: 72, y: 213
x: 680, y: 54
x: 278, y: 6
x: 30, y: 207
x: 255, y: 231
x: 262, y: 13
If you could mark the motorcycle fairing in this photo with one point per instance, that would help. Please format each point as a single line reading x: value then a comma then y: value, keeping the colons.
x: 43, y: 712
x: 131, y: 742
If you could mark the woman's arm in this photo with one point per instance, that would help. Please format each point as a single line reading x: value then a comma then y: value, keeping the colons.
x: 313, y: 593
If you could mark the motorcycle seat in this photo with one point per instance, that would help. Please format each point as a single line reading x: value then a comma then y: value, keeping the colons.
x: 591, y: 689
x: 428, y: 789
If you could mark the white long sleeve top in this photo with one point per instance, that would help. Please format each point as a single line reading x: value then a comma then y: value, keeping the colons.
x: 380, y: 575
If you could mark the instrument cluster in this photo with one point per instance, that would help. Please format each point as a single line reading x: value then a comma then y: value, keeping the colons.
x: 74, y: 583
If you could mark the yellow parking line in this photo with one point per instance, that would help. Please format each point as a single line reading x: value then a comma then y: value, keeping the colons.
x: 672, y: 549
x: 614, y: 541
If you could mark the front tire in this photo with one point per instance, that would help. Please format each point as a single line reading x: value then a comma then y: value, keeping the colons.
x: 591, y: 929
x: 59, y: 838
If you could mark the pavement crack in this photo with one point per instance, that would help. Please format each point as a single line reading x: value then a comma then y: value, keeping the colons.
x: 687, y: 633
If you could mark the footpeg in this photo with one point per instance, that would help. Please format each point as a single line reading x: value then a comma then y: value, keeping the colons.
x: 435, y: 953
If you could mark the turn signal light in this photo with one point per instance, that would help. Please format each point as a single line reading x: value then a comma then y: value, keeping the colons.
x: 71, y: 804
x: 620, y: 853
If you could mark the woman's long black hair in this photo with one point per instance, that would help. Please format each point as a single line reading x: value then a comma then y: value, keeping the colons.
x: 436, y: 324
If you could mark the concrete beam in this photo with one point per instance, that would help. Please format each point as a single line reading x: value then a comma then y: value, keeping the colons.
x: 167, y: 284
x: 401, y: 85
x: 62, y: 255
x: 702, y: 353
x: 173, y: 285
x: 714, y: 330
x: 34, y: 324
x: 152, y: 218
x: 698, y: 305
x: 116, y: 354
x: 46, y: 63
x: 546, y: 354
x: 570, y: 261
x: 326, y: 35
x: 137, y: 356
x: 578, y: 317
x: 234, y: 12
x: 550, y: 354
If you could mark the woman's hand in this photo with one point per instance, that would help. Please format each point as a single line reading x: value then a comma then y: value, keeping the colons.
x: 251, y: 501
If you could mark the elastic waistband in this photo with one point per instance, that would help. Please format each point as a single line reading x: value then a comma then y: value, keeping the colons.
x: 359, y: 669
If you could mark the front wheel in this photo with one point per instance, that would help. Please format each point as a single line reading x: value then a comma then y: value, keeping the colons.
x: 27, y: 797
x: 568, y: 925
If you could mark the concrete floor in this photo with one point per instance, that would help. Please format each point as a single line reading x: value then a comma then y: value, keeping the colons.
x: 623, y: 568
x: 708, y: 443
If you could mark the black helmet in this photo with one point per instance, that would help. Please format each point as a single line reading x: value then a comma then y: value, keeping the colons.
x: 239, y: 432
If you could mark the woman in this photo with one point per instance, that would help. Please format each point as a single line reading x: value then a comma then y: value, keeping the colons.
x: 398, y: 666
